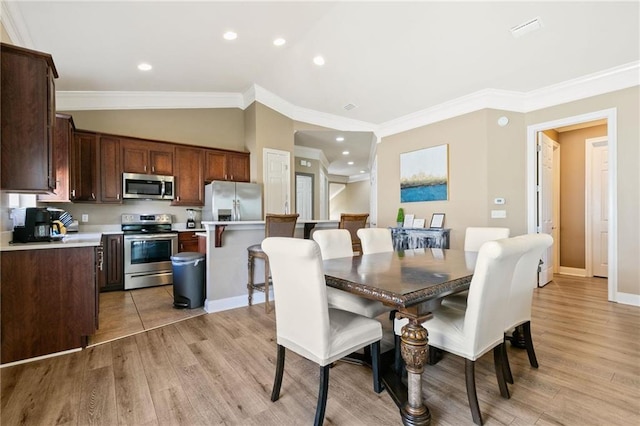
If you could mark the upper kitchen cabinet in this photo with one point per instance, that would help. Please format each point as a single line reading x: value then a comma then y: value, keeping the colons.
x: 28, y: 120
x: 84, y: 167
x: 189, y: 167
x: 62, y: 141
x: 110, y: 170
x: 147, y: 157
x: 222, y: 165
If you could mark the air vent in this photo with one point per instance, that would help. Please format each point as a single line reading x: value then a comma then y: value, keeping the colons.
x: 349, y: 107
x: 526, y: 27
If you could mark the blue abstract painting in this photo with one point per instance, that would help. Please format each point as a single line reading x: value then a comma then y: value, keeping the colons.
x: 424, y: 175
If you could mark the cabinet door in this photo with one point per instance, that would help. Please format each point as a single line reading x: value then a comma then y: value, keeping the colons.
x: 215, y: 166
x: 189, y: 169
x: 135, y: 156
x: 114, y: 262
x: 27, y: 88
x: 110, y: 170
x: 238, y: 167
x: 161, y: 160
x: 187, y: 241
x: 62, y: 141
x: 85, y: 167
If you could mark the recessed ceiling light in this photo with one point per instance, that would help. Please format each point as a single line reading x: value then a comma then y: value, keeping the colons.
x: 144, y: 67
x: 339, y: 139
x: 279, y: 41
x: 230, y: 35
x: 345, y: 152
x: 361, y: 171
x: 350, y: 163
x: 318, y: 60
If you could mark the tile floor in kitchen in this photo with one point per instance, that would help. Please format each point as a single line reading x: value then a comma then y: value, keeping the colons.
x: 123, y: 313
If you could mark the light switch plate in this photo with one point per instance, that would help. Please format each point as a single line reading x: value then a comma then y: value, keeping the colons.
x: 498, y: 214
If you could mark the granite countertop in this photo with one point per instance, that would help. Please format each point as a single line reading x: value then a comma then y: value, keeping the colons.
x: 80, y: 239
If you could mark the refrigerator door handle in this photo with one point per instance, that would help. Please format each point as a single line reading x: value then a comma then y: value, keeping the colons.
x: 238, y: 218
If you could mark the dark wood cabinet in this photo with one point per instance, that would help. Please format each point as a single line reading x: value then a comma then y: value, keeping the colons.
x: 48, y: 299
x: 110, y: 170
x: 147, y: 157
x: 62, y: 142
x: 113, y: 262
x: 188, y: 241
x: 27, y: 120
x: 223, y: 165
x: 189, y: 168
x: 84, y: 167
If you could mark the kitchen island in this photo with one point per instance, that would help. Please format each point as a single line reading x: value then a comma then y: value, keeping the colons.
x: 227, y: 270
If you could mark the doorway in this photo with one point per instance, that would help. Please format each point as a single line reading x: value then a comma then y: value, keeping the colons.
x: 535, y: 193
x: 304, y: 196
x: 277, y: 181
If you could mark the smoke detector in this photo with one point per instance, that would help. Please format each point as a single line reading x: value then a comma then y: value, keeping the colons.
x: 527, y: 27
x: 349, y: 107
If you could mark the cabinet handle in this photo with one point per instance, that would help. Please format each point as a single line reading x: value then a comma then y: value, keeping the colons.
x: 117, y: 196
x: 153, y: 169
x: 73, y: 193
x: 231, y: 177
x: 145, y: 168
x: 93, y: 196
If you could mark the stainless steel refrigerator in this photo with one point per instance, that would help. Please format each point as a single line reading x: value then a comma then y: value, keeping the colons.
x: 232, y: 201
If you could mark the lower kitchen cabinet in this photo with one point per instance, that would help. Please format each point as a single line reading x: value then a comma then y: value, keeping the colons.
x: 187, y: 241
x: 48, y: 301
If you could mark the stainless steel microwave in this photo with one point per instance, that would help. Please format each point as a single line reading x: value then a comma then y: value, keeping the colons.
x: 147, y: 187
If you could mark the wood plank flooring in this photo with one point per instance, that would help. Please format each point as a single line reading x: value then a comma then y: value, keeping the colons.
x: 218, y: 369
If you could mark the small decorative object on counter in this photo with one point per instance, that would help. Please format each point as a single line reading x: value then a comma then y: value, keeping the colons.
x: 400, y: 217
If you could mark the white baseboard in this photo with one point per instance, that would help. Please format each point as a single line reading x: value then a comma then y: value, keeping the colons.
x: 628, y: 299
x: 219, y: 305
x: 575, y: 272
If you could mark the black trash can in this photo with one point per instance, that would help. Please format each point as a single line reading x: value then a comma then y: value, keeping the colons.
x: 188, y: 280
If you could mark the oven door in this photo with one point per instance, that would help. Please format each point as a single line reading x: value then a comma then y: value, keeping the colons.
x: 149, y: 253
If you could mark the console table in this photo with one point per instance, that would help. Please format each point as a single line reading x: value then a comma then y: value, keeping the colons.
x: 412, y: 238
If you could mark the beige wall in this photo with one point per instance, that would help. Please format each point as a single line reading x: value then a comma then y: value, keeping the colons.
x: 213, y: 128
x: 572, y: 194
x: 484, y: 162
x: 4, y: 36
x: 628, y: 173
x: 355, y: 198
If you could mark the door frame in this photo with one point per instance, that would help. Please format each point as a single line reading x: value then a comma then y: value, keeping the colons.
x: 532, y: 204
x: 590, y: 144
x: 313, y: 195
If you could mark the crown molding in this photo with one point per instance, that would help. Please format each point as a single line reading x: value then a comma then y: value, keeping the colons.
x: 79, y: 101
x: 358, y: 178
x: 13, y: 23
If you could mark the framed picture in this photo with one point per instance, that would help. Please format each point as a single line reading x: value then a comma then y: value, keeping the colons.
x: 437, y: 220
x: 424, y: 175
x: 408, y: 221
x: 418, y: 223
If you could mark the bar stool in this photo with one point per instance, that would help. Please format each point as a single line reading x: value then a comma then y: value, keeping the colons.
x: 276, y: 225
x: 352, y: 222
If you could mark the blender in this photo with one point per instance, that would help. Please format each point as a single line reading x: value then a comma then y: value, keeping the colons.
x: 191, y: 218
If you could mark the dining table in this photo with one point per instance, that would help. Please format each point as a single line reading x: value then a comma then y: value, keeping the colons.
x: 412, y: 282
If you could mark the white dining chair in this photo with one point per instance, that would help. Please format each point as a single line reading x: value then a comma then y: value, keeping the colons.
x: 474, y: 238
x: 336, y: 243
x: 304, y: 322
x: 375, y: 240
x: 473, y: 332
x: 525, y: 281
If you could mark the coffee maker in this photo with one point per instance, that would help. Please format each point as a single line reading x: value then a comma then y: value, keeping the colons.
x: 31, y: 224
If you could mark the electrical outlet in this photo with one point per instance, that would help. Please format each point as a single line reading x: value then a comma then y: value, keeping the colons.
x: 85, y: 218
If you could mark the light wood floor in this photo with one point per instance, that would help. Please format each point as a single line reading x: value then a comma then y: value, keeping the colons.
x: 123, y: 313
x: 218, y: 369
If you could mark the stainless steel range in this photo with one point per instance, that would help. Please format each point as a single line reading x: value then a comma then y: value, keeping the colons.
x: 149, y: 244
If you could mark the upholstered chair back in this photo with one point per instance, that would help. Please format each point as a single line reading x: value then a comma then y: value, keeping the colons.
x: 333, y: 243
x: 375, y: 240
x: 474, y: 237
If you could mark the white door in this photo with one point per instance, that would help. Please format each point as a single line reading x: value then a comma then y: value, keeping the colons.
x: 545, y: 203
x: 599, y: 208
x: 277, y: 181
x: 304, y: 197
x: 373, y: 198
x: 324, y: 195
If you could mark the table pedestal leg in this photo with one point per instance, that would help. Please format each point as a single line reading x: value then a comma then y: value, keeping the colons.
x: 413, y: 346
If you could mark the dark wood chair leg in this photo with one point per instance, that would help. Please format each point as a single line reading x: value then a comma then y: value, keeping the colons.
x: 250, y: 280
x: 397, y: 361
x: 277, y: 383
x: 505, y: 364
x: 498, y: 362
x: 375, y: 366
x: 528, y: 341
x: 322, y: 395
x: 472, y: 396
